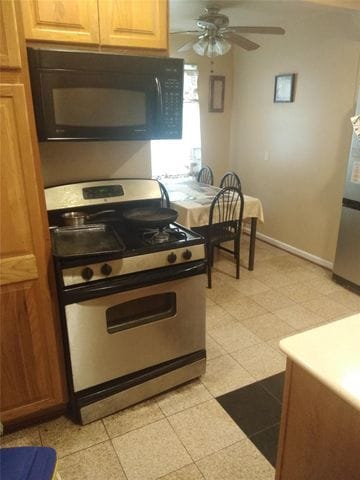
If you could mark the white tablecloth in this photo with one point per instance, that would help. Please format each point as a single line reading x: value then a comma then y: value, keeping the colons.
x: 192, y: 201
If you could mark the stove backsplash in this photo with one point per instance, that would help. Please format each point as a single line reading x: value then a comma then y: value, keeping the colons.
x: 66, y: 162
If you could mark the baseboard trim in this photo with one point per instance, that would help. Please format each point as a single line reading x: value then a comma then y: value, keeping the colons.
x: 289, y: 248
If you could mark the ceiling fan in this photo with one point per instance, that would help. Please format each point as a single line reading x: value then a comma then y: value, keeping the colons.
x: 215, y: 36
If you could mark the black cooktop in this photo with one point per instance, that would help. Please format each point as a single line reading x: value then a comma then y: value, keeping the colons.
x: 138, y: 242
x: 154, y: 239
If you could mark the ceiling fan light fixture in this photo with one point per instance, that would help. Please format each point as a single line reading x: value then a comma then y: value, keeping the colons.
x: 212, y: 46
x: 221, y: 45
x: 201, y: 46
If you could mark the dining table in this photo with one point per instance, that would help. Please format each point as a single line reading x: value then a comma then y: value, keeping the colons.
x: 192, y: 201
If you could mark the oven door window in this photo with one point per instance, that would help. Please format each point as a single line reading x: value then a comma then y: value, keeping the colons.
x: 140, y: 311
x: 97, y: 105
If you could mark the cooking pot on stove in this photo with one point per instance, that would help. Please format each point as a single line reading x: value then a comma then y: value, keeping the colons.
x: 74, y: 219
x: 150, y: 217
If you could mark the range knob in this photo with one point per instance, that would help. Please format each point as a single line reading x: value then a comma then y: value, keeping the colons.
x: 171, y: 257
x: 187, y: 254
x: 87, y: 273
x: 106, y: 269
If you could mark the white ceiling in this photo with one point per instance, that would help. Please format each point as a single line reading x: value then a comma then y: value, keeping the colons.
x: 183, y: 13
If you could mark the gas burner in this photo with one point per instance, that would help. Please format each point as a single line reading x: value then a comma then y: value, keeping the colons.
x: 180, y: 234
x: 162, y: 235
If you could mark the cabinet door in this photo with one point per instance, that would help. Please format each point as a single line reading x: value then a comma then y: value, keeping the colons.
x: 140, y: 23
x: 18, y: 262
x: 31, y: 379
x: 73, y: 21
x: 9, y: 42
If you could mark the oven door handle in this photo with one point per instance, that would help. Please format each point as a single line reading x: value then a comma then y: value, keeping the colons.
x: 133, y: 281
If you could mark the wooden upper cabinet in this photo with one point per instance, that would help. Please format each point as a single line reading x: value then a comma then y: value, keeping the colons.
x: 73, y: 21
x: 137, y: 23
x: 112, y: 23
x: 9, y: 41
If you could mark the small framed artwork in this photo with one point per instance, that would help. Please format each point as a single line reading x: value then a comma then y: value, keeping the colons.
x: 284, y: 88
x: 216, y: 93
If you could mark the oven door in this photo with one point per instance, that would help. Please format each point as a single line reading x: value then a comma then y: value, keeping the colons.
x: 119, y: 334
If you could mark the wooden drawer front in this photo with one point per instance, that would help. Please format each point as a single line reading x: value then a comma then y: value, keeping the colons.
x: 74, y: 21
x: 18, y: 269
x: 141, y: 23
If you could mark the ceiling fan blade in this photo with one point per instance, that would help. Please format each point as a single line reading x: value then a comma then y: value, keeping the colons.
x: 267, y: 30
x: 187, y: 46
x: 187, y: 32
x: 241, y: 41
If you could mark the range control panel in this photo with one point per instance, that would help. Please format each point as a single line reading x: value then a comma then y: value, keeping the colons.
x: 126, y: 265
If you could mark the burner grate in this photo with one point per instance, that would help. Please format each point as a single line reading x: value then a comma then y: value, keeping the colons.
x: 163, y: 235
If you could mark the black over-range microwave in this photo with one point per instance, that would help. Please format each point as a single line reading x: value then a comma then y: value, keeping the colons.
x: 102, y: 96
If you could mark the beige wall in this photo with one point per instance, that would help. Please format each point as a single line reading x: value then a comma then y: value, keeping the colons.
x: 293, y: 156
x: 215, y: 127
x: 66, y: 162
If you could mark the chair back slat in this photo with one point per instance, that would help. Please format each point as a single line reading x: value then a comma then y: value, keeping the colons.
x: 230, y: 179
x: 205, y: 175
x: 226, y: 213
x: 165, y: 200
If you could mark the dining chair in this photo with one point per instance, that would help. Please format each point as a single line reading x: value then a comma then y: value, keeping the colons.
x: 165, y: 200
x: 205, y: 175
x: 230, y: 179
x: 225, y: 221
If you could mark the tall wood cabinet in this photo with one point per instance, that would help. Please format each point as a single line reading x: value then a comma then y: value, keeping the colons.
x: 32, y: 377
x: 115, y: 23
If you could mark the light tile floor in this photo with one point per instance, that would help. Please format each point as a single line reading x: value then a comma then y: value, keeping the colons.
x: 185, y: 434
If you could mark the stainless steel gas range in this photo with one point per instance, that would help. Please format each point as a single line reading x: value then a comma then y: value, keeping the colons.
x: 131, y: 295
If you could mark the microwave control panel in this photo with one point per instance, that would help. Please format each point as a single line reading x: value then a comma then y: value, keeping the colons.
x: 172, y: 103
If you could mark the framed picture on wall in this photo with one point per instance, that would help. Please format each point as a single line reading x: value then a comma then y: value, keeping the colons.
x: 284, y: 88
x: 216, y: 93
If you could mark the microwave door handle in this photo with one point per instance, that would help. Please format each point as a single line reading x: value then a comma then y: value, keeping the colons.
x: 159, y: 95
